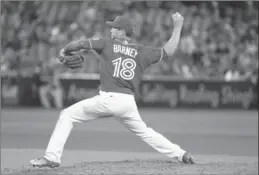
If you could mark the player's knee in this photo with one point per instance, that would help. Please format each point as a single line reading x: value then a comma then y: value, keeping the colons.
x: 65, y: 113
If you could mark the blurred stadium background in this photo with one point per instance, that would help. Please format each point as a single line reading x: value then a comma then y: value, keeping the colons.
x: 215, y: 67
x: 219, y: 40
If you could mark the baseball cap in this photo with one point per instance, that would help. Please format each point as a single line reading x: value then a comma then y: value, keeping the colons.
x: 122, y: 22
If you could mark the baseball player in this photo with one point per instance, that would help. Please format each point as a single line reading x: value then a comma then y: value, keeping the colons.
x: 122, y: 65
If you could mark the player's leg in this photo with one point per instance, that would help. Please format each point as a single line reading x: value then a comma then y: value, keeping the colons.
x: 84, y: 110
x: 132, y: 120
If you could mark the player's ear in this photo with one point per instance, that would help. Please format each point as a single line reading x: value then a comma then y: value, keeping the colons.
x: 123, y: 32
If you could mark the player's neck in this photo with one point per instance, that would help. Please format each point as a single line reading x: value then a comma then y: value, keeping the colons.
x: 123, y: 39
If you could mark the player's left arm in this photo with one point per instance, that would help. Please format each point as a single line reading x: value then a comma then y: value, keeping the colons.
x: 96, y: 44
x: 74, y: 60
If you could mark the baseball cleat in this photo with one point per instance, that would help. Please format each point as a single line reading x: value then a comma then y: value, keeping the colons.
x: 43, y: 162
x: 188, y: 159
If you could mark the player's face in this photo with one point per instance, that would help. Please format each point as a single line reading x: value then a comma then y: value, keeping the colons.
x: 116, y: 33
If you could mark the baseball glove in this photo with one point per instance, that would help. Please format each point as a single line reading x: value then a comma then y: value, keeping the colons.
x: 72, y: 61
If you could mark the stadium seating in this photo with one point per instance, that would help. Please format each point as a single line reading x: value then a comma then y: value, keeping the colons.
x: 217, y: 37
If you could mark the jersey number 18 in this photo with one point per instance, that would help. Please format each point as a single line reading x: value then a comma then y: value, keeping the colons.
x: 124, y: 68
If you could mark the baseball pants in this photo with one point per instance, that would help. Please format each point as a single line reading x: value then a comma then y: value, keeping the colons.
x: 120, y: 106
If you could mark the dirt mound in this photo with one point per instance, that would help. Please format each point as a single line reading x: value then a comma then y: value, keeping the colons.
x: 143, y: 167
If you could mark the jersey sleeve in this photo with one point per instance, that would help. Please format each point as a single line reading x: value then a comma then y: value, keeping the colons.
x: 153, y: 55
x: 96, y: 44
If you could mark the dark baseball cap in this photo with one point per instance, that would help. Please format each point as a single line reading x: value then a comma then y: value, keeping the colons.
x: 122, y: 22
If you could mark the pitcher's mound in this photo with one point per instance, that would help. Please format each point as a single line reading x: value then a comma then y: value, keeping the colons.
x: 145, y: 167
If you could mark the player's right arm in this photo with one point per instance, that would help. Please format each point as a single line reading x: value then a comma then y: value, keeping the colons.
x: 153, y: 55
x: 172, y: 43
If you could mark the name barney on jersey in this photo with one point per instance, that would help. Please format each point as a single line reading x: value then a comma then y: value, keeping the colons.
x: 125, y: 50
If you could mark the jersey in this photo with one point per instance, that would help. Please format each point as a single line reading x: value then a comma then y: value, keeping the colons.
x: 123, y: 64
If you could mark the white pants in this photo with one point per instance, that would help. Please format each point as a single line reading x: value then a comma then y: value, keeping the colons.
x: 120, y: 106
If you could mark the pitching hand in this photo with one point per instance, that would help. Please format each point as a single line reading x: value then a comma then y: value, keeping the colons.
x: 178, y: 19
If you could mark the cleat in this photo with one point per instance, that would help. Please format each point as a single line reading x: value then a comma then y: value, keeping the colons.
x: 188, y: 159
x: 43, y: 162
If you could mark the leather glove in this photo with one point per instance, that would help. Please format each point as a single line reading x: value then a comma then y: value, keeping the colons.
x: 72, y: 60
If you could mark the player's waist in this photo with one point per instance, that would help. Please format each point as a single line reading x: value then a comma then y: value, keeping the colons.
x: 125, y: 91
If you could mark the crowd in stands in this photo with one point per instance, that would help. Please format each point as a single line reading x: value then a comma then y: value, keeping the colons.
x: 218, y: 40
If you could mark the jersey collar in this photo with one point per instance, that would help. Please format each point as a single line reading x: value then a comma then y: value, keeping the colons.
x: 124, y: 40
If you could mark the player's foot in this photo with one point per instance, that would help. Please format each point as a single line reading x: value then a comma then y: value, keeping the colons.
x: 187, y: 158
x: 43, y: 162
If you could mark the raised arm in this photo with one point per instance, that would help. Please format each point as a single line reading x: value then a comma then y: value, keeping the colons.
x: 172, y: 43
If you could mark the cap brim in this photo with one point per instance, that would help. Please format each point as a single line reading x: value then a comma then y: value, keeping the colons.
x: 112, y: 24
